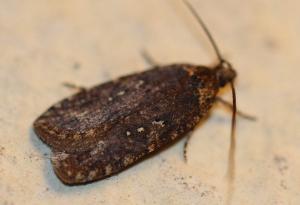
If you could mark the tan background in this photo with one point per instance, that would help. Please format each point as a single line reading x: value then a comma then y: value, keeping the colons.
x: 47, y: 42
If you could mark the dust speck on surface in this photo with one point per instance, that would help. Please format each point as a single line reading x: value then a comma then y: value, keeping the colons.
x: 271, y: 43
x: 281, y: 163
x: 76, y: 66
x: 2, y: 149
x: 283, y: 185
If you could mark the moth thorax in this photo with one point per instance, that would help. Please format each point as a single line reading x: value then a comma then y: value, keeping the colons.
x: 225, y: 73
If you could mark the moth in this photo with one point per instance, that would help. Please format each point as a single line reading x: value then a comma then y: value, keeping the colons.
x: 99, y: 132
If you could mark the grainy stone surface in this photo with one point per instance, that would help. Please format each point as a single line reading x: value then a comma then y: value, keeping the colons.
x: 47, y: 43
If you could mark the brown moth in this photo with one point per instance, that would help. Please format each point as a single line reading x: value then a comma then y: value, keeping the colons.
x: 103, y: 130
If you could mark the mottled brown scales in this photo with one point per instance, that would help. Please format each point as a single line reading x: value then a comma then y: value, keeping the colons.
x: 103, y: 130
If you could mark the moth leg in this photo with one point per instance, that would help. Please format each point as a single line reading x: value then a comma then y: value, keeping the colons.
x: 186, y: 144
x: 73, y: 86
x: 148, y: 58
x: 238, y: 112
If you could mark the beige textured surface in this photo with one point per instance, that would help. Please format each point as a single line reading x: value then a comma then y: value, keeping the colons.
x: 47, y: 42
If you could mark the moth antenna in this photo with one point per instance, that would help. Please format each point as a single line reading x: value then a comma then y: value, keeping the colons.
x: 231, y: 160
x: 204, y: 27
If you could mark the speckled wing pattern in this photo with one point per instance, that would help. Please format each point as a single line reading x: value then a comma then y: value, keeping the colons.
x: 101, y: 131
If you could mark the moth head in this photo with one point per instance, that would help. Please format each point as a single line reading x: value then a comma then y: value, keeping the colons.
x: 225, y: 73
